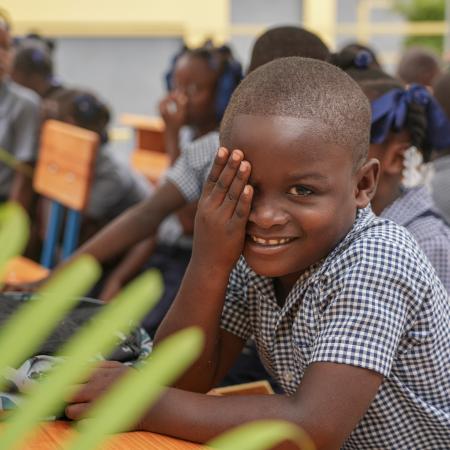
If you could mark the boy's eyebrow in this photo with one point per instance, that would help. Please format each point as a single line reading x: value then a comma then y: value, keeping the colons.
x: 302, y: 176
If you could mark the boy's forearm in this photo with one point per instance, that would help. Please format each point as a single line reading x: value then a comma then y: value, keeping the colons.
x: 199, y: 418
x: 199, y: 303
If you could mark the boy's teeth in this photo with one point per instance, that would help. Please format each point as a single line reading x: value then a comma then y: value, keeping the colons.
x: 269, y: 241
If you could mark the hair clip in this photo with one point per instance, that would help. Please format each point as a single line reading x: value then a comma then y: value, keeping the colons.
x: 362, y: 59
x: 419, y: 94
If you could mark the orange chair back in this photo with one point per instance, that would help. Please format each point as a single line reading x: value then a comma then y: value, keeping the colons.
x: 66, y: 163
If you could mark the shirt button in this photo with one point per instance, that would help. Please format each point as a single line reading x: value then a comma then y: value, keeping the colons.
x: 288, y: 376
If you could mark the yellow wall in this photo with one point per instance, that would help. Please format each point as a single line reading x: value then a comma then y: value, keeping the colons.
x: 193, y: 19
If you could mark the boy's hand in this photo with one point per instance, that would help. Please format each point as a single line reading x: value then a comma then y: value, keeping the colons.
x: 223, y: 212
x: 106, y: 374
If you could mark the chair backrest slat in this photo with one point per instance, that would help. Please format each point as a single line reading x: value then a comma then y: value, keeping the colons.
x: 66, y: 163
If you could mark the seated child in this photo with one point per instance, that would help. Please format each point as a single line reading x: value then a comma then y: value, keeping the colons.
x: 402, y: 118
x: 184, y: 181
x: 32, y: 67
x: 116, y: 187
x: 19, y: 130
x: 346, y: 310
x: 199, y: 83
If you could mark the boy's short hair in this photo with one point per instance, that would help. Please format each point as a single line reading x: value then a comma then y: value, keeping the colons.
x: 286, y: 41
x: 306, y: 89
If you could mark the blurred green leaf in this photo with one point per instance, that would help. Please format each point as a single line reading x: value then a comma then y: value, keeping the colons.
x: 262, y: 435
x: 14, y: 225
x: 138, y: 390
x: 97, y: 336
x: 33, y: 323
x: 422, y: 10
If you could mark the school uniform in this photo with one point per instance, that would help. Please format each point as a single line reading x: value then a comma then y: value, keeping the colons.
x: 416, y: 211
x: 191, y: 169
x: 440, y: 185
x: 374, y: 302
x: 19, y: 129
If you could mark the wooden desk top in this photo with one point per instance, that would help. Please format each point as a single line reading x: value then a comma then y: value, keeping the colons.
x: 142, y: 122
x: 52, y: 436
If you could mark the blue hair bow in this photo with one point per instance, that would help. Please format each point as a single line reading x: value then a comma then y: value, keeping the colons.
x: 389, y: 112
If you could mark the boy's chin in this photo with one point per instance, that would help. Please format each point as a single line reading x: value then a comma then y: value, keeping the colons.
x: 269, y: 269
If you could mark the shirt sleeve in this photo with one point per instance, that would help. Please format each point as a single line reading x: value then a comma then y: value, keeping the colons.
x: 366, y: 310
x: 191, y: 169
x: 235, y: 314
x: 184, y: 177
x: 433, y: 237
x: 26, y: 132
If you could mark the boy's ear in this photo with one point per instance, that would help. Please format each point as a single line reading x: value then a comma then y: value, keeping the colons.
x: 367, y: 180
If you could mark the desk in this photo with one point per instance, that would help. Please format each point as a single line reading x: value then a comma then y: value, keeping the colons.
x: 52, y: 436
x: 149, y: 131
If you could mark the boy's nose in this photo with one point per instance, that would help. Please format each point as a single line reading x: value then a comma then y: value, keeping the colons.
x: 266, y: 214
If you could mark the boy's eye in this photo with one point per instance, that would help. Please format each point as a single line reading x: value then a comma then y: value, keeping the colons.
x: 300, y: 190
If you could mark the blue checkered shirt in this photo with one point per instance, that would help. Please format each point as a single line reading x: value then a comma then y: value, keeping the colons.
x: 416, y: 211
x: 374, y: 302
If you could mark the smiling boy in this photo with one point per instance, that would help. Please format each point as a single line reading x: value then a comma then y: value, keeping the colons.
x: 347, y: 313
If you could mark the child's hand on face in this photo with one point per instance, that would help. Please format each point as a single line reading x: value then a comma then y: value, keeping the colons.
x: 223, y: 212
x: 173, y: 110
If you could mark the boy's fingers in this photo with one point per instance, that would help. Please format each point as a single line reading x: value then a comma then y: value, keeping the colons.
x: 77, y: 411
x: 237, y: 186
x: 219, y: 163
x: 226, y: 178
x: 242, y: 211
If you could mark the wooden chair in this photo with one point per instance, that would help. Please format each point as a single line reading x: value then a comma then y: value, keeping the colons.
x: 63, y: 174
x: 148, y: 157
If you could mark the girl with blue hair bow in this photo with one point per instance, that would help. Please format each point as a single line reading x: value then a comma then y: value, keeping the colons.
x: 405, y: 117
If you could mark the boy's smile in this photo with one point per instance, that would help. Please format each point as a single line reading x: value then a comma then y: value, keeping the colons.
x: 305, y: 190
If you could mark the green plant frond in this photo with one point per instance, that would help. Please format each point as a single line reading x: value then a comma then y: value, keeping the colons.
x: 26, y: 330
x: 262, y: 435
x: 133, y: 394
x: 422, y: 10
x: 13, y: 163
x: 97, y: 336
x: 14, y: 225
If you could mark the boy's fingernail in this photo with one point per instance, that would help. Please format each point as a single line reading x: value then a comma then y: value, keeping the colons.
x: 235, y: 156
x: 222, y: 152
x: 243, y: 166
x: 247, y: 189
